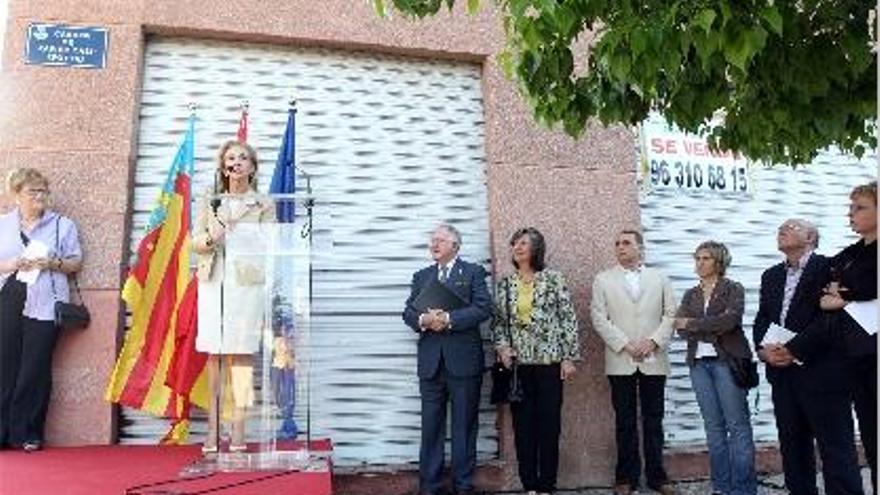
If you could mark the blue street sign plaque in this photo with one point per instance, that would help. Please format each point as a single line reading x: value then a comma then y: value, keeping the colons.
x: 67, y: 46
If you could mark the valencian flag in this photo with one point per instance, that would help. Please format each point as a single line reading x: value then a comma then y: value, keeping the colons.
x: 158, y: 369
x: 283, y: 361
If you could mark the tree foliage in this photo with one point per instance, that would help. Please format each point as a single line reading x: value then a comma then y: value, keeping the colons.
x: 785, y: 78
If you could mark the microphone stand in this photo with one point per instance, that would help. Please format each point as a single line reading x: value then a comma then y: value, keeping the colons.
x: 308, y: 233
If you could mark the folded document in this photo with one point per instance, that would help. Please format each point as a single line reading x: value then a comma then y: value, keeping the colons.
x: 777, y: 334
x: 865, y: 314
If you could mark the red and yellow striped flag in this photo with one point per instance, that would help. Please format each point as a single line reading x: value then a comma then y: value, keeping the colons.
x: 158, y: 369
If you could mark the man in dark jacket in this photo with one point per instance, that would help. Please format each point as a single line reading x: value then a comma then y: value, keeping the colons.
x: 450, y: 361
x: 808, y: 376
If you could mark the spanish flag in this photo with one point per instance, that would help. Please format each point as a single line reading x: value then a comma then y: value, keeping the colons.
x: 158, y: 369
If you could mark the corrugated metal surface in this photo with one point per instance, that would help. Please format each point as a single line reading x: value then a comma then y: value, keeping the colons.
x: 393, y: 146
x: 675, y: 222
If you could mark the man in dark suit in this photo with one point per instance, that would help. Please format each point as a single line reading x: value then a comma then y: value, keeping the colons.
x: 450, y: 362
x: 808, y: 375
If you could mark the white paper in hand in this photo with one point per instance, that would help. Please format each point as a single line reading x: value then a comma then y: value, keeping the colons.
x: 777, y: 334
x: 865, y: 314
x: 35, y: 249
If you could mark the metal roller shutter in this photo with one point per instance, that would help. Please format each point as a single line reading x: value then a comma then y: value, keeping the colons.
x: 675, y: 222
x: 380, y: 137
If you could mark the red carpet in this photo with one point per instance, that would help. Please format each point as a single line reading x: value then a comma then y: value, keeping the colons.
x: 99, y: 470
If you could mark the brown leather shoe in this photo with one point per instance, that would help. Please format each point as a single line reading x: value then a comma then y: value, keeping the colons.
x: 622, y: 489
x: 664, y: 489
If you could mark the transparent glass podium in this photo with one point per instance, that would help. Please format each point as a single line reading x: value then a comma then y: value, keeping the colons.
x: 255, y: 319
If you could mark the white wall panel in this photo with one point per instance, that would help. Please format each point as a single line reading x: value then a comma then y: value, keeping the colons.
x: 393, y: 145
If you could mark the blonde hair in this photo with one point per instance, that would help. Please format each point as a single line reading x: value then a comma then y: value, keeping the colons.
x: 868, y: 190
x: 222, y: 180
x: 22, y: 176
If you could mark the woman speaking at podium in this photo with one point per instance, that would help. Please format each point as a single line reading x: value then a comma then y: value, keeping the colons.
x: 231, y: 291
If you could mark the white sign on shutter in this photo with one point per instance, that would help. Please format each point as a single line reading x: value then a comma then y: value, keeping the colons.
x: 393, y: 146
x: 676, y: 219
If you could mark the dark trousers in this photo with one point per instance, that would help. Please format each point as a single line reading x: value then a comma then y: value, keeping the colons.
x: 26, y: 348
x: 536, y: 426
x: 12, y: 297
x: 863, y: 382
x: 629, y: 393
x: 464, y: 395
x: 804, y: 414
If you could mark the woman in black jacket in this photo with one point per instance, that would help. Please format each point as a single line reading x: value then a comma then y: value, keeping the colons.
x: 854, y: 280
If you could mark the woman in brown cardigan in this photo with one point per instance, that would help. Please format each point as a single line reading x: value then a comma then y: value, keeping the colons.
x: 710, y: 318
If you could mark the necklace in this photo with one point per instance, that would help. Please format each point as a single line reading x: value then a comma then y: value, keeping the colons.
x: 707, y: 289
x: 527, y: 279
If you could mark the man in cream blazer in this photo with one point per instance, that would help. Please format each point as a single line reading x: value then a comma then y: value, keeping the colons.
x: 632, y: 310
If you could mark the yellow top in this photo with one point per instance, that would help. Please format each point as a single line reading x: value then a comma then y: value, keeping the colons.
x: 525, y: 298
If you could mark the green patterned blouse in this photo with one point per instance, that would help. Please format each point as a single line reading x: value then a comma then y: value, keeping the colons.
x: 551, y: 335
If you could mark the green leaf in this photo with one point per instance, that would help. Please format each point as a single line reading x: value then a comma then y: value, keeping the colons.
x: 726, y: 14
x: 859, y: 151
x: 621, y: 64
x: 564, y: 19
x: 706, y: 46
x: 771, y: 14
x: 473, y: 6
x: 638, y: 40
x: 705, y: 19
x: 379, y: 5
x: 739, y: 51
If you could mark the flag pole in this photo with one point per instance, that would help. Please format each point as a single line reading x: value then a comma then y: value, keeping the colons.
x: 309, y: 203
x: 242, y: 133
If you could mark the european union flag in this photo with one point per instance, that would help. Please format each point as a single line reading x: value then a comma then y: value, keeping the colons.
x: 284, y: 176
x: 284, y: 362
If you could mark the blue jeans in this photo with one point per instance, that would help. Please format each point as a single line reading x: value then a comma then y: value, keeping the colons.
x: 725, y: 412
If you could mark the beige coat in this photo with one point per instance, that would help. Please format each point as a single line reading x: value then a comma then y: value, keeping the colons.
x: 620, y: 319
x: 260, y: 209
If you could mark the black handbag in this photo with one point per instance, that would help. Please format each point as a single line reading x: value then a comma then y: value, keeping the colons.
x: 72, y: 316
x: 506, y: 386
x: 744, y: 371
x: 69, y: 315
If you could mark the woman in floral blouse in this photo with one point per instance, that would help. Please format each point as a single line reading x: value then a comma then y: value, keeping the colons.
x: 536, y: 326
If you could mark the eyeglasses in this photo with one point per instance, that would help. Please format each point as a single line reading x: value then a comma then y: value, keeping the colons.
x: 35, y: 192
x: 790, y: 227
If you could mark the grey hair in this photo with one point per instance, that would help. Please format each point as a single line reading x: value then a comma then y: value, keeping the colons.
x: 719, y: 252
x: 456, y: 235
x: 809, y: 228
